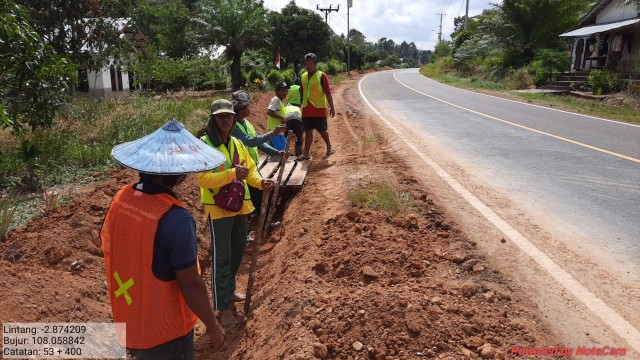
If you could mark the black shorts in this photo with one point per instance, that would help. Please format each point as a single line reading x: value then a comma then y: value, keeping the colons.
x: 318, y: 123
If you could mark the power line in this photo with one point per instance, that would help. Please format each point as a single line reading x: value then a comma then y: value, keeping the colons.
x: 327, y: 11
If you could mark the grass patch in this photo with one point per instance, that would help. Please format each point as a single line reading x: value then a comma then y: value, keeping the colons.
x: 337, y: 79
x: 383, y: 196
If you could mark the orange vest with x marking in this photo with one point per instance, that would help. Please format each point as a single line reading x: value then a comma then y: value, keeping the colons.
x: 154, y: 310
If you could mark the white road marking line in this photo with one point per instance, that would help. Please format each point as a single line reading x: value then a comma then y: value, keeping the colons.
x: 532, y: 105
x: 609, y: 316
x: 522, y: 126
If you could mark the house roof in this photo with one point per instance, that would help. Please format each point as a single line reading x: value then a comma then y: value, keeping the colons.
x: 594, y: 29
x: 587, y: 24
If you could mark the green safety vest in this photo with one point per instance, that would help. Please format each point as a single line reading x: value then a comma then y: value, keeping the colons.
x: 250, y: 131
x: 208, y: 194
x: 294, y: 95
x: 313, y: 91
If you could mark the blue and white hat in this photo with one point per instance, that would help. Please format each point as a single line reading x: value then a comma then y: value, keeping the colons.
x: 170, y: 150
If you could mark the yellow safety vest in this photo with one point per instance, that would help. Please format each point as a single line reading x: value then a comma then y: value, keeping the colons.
x: 208, y: 194
x: 313, y: 91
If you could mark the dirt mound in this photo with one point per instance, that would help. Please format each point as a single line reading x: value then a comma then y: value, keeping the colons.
x: 333, y: 282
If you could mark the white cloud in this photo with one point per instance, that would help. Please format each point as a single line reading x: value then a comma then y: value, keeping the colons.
x: 400, y: 20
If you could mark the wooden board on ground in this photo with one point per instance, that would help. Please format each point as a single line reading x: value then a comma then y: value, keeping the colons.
x: 294, y: 171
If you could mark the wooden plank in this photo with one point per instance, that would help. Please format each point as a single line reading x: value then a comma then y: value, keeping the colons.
x: 288, y: 168
x: 297, y: 177
x: 294, y: 172
x: 269, y: 170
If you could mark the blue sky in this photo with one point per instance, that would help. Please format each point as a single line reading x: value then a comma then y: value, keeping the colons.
x: 400, y: 20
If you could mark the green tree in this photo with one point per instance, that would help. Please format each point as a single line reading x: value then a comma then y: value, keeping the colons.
x: 34, y: 82
x: 237, y: 25
x: 166, y: 24
x: 86, y: 32
x: 528, y: 25
x: 298, y: 31
x: 547, y: 61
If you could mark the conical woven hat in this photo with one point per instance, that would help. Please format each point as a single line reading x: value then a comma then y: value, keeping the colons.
x: 170, y: 150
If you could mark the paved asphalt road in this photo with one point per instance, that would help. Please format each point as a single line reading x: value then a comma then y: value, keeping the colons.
x: 590, y: 185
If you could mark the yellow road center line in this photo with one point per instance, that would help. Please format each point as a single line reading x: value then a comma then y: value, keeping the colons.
x: 522, y: 126
x: 598, y: 307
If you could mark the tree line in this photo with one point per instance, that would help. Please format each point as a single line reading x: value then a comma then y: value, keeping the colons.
x: 49, y: 40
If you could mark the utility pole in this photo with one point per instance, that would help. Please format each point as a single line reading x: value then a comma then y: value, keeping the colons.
x: 440, y: 31
x: 349, y: 5
x: 327, y: 11
x: 466, y: 16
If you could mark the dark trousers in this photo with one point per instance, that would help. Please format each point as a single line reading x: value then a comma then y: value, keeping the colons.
x: 178, y: 349
x: 228, y: 240
x: 296, y: 127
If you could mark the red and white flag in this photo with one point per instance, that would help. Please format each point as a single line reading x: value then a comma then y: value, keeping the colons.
x: 278, y: 59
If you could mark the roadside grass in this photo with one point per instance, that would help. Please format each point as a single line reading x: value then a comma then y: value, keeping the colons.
x: 337, y: 79
x: 623, y: 112
x: 77, y: 149
x: 383, y: 196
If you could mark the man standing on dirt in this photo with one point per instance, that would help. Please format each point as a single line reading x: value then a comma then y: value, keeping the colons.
x: 316, y: 95
x: 150, y: 248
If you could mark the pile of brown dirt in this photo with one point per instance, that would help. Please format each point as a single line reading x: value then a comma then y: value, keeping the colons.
x: 333, y: 282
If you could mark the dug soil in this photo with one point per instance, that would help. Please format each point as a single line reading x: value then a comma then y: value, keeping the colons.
x: 334, y: 282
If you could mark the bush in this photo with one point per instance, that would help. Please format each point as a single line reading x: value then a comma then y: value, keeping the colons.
x: 323, y: 67
x: 154, y: 72
x: 604, y: 82
x: 519, y: 79
x: 288, y: 76
x: 546, y: 62
x: 274, y: 76
x: 335, y: 66
x: 253, y: 75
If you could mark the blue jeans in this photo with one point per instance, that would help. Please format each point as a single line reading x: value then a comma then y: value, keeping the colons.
x: 178, y: 349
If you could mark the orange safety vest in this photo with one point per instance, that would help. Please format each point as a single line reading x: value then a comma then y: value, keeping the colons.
x: 154, y: 310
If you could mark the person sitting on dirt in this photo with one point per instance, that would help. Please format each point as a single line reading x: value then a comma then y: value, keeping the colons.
x: 275, y: 111
x: 150, y: 249
x: 246, y: 133
x: 316, y: 95
x: 227, y: 219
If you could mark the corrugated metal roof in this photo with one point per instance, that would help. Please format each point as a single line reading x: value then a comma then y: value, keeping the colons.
x: 594, y: 29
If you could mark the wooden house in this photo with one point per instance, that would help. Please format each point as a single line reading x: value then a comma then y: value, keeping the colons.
x: 607, y: 37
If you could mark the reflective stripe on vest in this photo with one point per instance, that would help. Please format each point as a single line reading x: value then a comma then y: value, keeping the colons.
x: 154, y: 310
x: 294, y: 96
x: 313, y: 91
x: 207, y: 195
x: 250, y: 131
x: 273, y: 122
